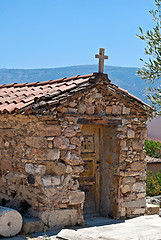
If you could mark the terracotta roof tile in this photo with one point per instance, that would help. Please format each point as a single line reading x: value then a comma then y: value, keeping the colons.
x: 19, y: 85
x: 21, y: 96
x: 65, y: 87
x: 81, y: 80
x: 10, y: 85
x: 31, y: 84
x: 8, y: 108
x: 22, y: 105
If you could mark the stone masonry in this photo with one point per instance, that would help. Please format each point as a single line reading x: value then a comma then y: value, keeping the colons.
x: 40, y: 158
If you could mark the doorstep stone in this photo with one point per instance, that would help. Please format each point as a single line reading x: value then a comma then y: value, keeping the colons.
x: 152, y: 209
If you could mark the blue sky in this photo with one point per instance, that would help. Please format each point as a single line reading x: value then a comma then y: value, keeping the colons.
x: 58, y: 33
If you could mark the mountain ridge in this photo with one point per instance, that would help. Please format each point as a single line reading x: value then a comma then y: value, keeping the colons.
x: 124, y: 77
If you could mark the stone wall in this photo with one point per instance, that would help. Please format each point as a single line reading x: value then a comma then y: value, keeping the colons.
x: 40, y: 163
x: 40, y: 157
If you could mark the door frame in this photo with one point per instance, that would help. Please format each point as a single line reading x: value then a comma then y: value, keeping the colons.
x: 100, y: 155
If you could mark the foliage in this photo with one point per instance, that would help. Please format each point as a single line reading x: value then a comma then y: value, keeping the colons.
x: 153, y: 183
x: 153, y: 149
x: 152, y: 68
x: 46, y: 237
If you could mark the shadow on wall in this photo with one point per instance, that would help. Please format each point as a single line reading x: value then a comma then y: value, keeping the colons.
x: 154, y: 128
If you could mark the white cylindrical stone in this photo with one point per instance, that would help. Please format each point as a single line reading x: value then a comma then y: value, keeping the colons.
x: 10, y: 222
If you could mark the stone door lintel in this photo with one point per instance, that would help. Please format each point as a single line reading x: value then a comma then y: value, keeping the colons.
x: 100, y: 121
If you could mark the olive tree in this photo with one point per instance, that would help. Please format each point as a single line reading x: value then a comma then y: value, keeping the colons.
x: 151, y: 71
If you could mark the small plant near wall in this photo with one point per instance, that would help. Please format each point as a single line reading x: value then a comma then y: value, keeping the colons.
x: 153, y: 183
x: 46, y: 237
x: 153, y: 149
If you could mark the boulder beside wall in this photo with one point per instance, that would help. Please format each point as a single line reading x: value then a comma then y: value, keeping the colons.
x: 10, y: 222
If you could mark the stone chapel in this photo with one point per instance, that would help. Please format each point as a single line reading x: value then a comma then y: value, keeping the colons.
x: 72, y: 146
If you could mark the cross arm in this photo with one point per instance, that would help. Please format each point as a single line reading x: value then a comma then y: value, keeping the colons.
x: 101, y: 56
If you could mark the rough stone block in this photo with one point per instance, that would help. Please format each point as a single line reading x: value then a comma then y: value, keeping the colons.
x: 138, y: 211
x: 52, y: 130
x: 46, y: 181
x: 31, y: 225
x: 125, y: 110
x: 36, y: 142
x: 34, y: 168
x: 78, y: 169
x: 72, y: 110
x: 69, y: 132
x: 58, y: 168
x: 116, y: 110
x: 76, y: 141
x: 137, y: 145
x: 55, y: 180
x: 139, y: 187
x: 133, y: 204
x: 125, y: 188
x: 67, y: 179
x: 50, y: 191
x: 72, y: 159
x: 123, y: 212
x: 152, y: 209
x: 61, y: 142
x: 130, y: 133
x: 53, y: 154
x: 76, y: 197
x: 90, y: 110
x: 108, y: 110
x: 63, y: 217
x: 72, y: 104
x: 82, y: 108
x: 138, y: 166
x: 69, y: 169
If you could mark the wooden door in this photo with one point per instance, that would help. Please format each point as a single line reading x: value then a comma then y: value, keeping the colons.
x: 89, y: 179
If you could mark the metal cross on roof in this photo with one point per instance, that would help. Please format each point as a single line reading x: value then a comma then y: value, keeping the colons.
x: 101, y: 57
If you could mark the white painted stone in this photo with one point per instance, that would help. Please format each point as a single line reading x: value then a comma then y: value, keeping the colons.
x: 10, y: 222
